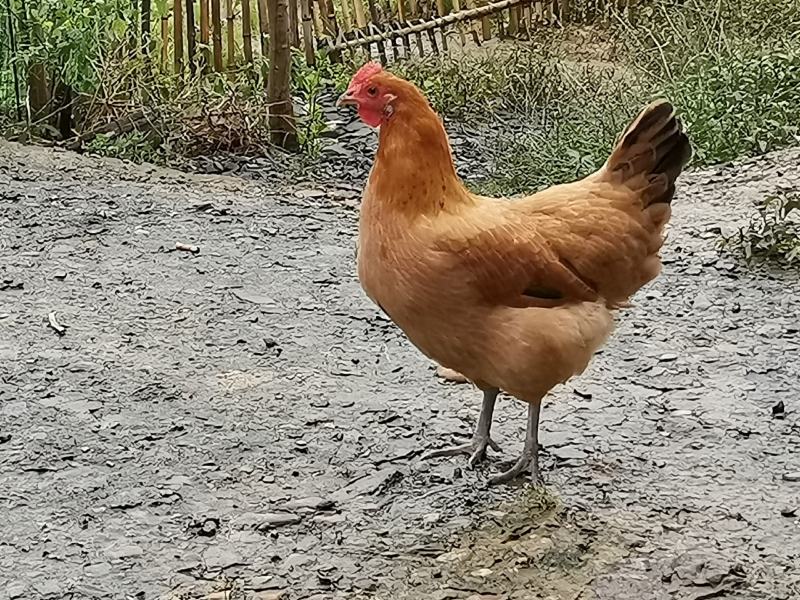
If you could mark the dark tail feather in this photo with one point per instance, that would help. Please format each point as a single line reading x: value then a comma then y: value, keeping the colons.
x: 651, y: 153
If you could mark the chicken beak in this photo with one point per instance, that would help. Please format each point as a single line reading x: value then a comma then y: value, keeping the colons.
x: 346, y: 99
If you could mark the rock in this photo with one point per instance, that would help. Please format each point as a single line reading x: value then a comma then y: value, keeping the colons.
x: 481, y: 572
x: 97, y: 570
x: 668, y: 357
x: 263, y: 521
x: 779, y: 410
x: 788, y: 512
x: 369, y: 484
x: 217, y: 558
x: 16, y: 589
x: 794, y: 476
x: 271, y: 595
x: 312, y: 502
x: 123, y: 552
x: 568, y: 453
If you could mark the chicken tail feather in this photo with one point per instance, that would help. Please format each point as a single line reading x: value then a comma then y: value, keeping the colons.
x: 650, y: 154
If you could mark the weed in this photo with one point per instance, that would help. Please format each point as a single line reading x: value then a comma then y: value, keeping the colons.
x: 773, y: 233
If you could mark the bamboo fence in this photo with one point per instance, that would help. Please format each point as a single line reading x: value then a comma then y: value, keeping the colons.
x: 198, y: 35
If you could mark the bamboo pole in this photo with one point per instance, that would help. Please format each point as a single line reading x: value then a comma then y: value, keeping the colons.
x: 347, y: 21
x: 361, y: 17
x: 263, y: 27
x: 145, y: 27
x: 513, y: 21
x: 204, y: 36
x: 294, y: 25
x: 441, y: 10
x: 461, y: 35
x: 402, y: 15
x: 177, y: 15
x: 230, y: 19
x: 373, y: 15
x: 308, y: 32
x: 216, y: 34
x: 282, y: 123
x: 247, y: 32
x: 191, y: 39
x: 164, y: 41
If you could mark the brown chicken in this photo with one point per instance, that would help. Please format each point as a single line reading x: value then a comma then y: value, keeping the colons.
x: 517, y: 295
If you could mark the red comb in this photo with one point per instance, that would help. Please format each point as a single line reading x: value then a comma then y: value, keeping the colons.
x: 367, y: 71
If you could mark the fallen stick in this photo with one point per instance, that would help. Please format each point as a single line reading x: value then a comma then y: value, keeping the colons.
x: 187, y: 248
x: 52, y: 321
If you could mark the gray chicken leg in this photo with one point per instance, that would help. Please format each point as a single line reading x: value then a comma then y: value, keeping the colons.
x: 481, y: 439
x: 529, y: 460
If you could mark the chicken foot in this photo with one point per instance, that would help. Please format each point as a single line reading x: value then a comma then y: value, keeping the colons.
x: 529, y: 461
x: 481, y: 440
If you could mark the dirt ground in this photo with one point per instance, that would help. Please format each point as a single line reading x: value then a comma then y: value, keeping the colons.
x: 242, y: 423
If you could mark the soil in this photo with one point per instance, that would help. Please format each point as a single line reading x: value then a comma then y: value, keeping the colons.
x: 241, y: 422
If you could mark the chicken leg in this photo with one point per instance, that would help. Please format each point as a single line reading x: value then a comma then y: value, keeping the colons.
x: 481, y: 440
x: 530, y: 452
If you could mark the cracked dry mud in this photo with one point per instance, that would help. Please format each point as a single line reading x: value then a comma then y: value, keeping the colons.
x: 242, y: 423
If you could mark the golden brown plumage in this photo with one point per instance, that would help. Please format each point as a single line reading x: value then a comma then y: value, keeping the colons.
x: 515, y: 294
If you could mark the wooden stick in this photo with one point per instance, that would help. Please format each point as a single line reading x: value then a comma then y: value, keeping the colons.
x: 347, y: 21
x: 281, y: 113
x: 145, y: 31
x: 164, y: 41
x: 363, y: 39
x: 247, y: 32
x: 308, y: 32
x: 263, y: 27
x: 204, y: 36
x: 294, y: 25
x: 230, y: 17
x: 361, y: 17
x: 457, y: 8
x: 373, y: 14
x: 191, y: 39
x: 177, y: 13
x: 216, y: 34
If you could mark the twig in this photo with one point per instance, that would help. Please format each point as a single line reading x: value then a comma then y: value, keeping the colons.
x: 187, y: 248
x: 52, y: 321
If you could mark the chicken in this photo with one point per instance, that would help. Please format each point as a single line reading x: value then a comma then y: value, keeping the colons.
x: 517, y: 295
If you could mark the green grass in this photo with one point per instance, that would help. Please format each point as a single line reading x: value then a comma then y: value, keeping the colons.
x: 731, y: 68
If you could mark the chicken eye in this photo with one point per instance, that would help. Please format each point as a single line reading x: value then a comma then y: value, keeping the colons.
x: 372, y: 90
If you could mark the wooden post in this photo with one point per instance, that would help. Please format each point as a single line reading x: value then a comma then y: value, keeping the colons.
x: 191, y: 34
x: 177, y: 15
x: 308, y: 32
x: 230, y: 18
x: 486, y: 24
x: 346, y: 21
x: 361, y: 17
x: 205, y: 38
x: 281, y: 114
x: 247, y: 32
x: 145, y: 32
x: 390, y: 25
x: 294, y: 25
x: 457, y: 8
x: 164, y: 41
x: 263, y: 27
x: 441, y: 9
x: 513, y: 21
x: 373, y: 13
x: 216, y: 34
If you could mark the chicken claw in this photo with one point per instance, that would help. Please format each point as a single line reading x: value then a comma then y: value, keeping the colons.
x: 481, y: 440
x: 529, y: 461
